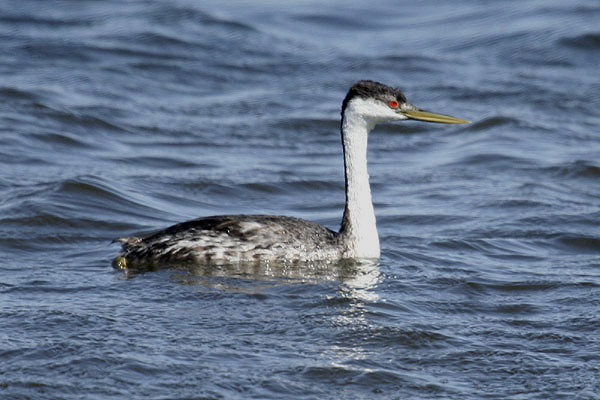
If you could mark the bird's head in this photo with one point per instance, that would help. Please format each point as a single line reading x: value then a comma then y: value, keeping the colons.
x: 376, y: 102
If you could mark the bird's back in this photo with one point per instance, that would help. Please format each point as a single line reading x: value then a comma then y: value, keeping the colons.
x: 229, y: 239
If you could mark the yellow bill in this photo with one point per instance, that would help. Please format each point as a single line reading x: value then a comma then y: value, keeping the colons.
x: 433, y: 117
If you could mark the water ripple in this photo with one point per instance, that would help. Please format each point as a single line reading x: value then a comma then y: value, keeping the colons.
x: 121, y: 118
x: 588, y: 41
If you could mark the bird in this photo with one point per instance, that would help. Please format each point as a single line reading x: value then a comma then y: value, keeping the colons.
x: 228, y: 239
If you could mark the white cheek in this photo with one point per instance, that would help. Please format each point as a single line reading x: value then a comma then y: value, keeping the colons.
x: 374, y: 110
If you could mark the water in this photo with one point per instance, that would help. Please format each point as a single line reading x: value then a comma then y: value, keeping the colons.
x: 118, y: 118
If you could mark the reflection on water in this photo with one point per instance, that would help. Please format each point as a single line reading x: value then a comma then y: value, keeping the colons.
x: 362, y: 284
x: 358, y: 278
x: 346, y: 307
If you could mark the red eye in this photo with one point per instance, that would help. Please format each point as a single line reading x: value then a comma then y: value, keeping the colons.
x: 393, y: 104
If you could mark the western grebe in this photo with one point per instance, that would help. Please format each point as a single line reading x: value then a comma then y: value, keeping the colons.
x: 252, y: 238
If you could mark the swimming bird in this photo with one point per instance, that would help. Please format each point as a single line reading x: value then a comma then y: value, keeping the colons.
x: 264, y: 238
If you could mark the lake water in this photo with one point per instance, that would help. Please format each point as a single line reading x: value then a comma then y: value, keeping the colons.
x: 119, y: 118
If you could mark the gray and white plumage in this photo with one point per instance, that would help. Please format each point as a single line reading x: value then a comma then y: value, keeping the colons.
x: 234, y: 238
x: 265, y: 238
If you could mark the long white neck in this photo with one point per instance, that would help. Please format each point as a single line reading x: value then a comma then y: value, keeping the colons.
x: 359, y: 230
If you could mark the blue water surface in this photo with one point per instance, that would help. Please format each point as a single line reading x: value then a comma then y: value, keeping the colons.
x: 120, y: 118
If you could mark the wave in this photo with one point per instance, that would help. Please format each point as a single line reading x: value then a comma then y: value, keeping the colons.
x: 586, y: 41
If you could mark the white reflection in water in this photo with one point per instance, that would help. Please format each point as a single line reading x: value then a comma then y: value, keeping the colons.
x: 358, y: 279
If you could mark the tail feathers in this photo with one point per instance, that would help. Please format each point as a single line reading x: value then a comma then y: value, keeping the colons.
x: 130, y: 240
x: 119, y: 262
